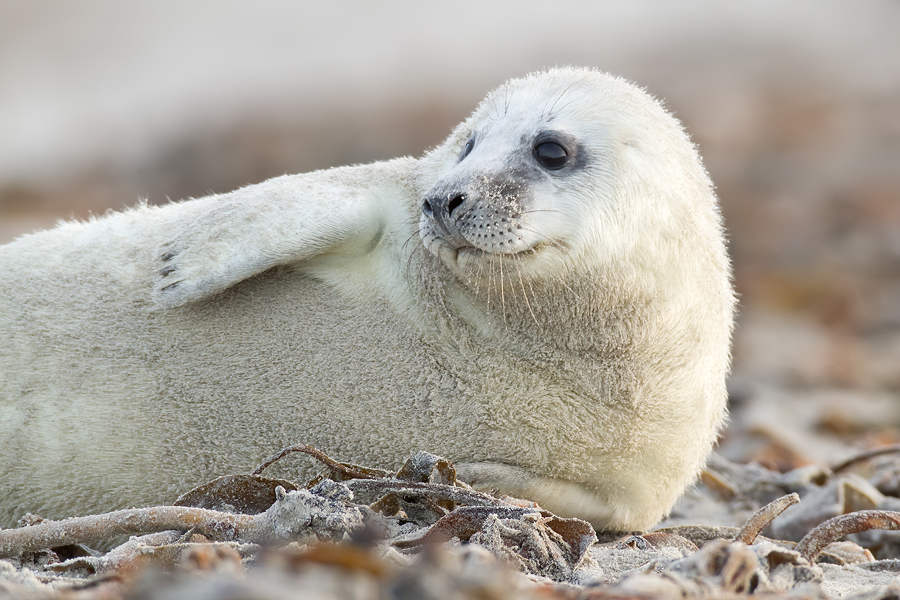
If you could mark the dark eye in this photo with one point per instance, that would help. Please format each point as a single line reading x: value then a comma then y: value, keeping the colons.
x: 467, y: 148
x: 551, y: 155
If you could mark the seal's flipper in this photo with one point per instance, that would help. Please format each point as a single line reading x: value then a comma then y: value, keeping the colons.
x: 222, y: 240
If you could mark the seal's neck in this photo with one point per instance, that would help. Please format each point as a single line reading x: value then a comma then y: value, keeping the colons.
x: 572, y: 312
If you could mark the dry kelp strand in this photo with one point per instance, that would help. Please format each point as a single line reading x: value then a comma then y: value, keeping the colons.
x: 844, y: 494
x: 761, y: 518
x: 834, y: 529
x: 293, y: 515
x: 865, y: 455
x: 339, y: 471
x: 245, y: 494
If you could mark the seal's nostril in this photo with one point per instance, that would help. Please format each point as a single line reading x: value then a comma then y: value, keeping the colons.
x: 426, y: 208
x: 455, y: 201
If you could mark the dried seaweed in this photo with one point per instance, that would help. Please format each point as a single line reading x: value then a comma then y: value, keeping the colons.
x: 344, y: 470
x: 245, y: 494
x: 865, y: 455
x: 293, y: 514
x: 421, y: 513
x: 834, y: 529
x: 764, y: 516
x: 455, y: 494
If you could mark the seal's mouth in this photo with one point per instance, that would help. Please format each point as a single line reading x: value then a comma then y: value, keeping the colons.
x: 479, y: 253
x: 466, y: 256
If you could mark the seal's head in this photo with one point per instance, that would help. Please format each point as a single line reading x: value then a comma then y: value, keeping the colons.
x: 562, y: 166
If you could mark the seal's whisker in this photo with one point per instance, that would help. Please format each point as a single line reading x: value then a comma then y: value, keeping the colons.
x: 430, y: 279
x: 420, y: 246
x: 566, y: 285
x: 496, y: 106
x: 542, y: 239
x: 414, y: 234
x: 565, y: 106
x: 533, y: 293
x: 525, y: 294
x: 481, y: 276
x: 508, y: 97
x: 490, y: 282
x: 540, y: 210
x: 412, y: 220
x: 549, y: 113
x: 502, y: 293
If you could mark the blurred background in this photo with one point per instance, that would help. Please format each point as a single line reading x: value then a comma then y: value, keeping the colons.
x: 795, y: 107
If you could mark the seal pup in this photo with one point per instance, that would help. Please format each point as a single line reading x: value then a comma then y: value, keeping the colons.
x: 544, y: 299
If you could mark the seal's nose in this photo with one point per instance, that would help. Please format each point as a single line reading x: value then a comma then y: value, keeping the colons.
x: 443, y: 208
x: 443, y: 205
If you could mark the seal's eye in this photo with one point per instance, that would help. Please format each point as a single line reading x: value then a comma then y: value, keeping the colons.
x: 551, y: 155
x: 467, y: 148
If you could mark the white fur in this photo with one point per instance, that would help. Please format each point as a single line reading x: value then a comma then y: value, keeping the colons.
x: 586, y: 372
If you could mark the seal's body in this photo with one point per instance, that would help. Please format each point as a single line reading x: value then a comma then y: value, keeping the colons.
x: 544, y: 299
